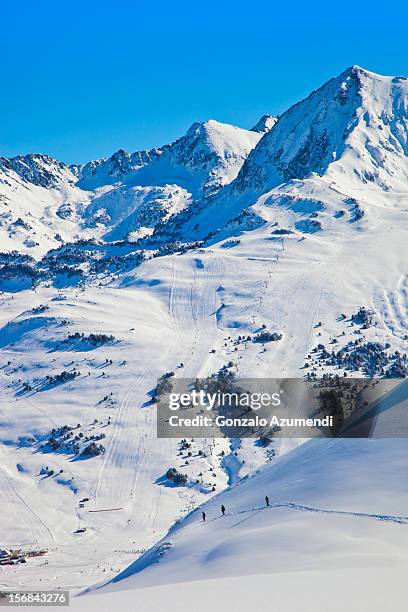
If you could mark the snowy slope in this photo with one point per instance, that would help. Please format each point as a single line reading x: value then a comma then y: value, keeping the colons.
x: 325, y: 514
x: 39, y: 204
x: 344, y: 481
x: 212, y: 151
x: 161, y: 315
x: 124, y: 195
x: 169, y: 310
x: 324, y: 235
x: 351, y: 132
x: 355, y: 123
x: 38, y: 169
x: 207, y: 157
x: 150, y: 187
x: 111, y: 170
x: 133, y: 212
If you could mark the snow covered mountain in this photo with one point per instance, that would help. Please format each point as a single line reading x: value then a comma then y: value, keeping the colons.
x: 107, y: 171
x: 150, y: 187
x: 352, y: 132
x: 326, y: 523
x: 349, y: 136
x: 39, y: 204
x: 207, y: 157
x: 38, y: 169
x: 354, y: 127
x: 126, y: 194
x: 127, y: 269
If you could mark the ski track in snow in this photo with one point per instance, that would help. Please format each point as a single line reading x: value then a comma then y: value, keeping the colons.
x: 402, y: 520
x: 109, y: 488
x: 132, y: 435
x: 193, y: 304
x: 23, y: 513
x: 393, y: 306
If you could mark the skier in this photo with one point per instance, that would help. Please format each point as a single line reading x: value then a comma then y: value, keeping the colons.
x: 203, y: 515
x: 223, y: 509
x: 267, y: 500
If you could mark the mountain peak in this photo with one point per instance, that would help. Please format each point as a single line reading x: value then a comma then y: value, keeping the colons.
x: 358, y: 72
x: 356, y: 123
x: 356, y: 69
x: 37, y: 168
x: 212, y: 128
x: 208, y: 156
x: 211, y: 151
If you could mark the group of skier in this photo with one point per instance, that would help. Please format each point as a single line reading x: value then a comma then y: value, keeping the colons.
x: 203, y: 514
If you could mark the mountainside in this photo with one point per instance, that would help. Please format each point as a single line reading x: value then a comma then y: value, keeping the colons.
x: 355, y: 127
x: 352, y: 132
x: 126, y: 194
x: 320, y: 517
x: 276, y: 253
x: 107, y: 171
x: 348, y: 138
x: 265, y: 124
x: 207, y: 157
x: 326, y: 526
x: 166, y: 180
x: 38, y: 169
x: 323, y: 512
x: 40, y: 206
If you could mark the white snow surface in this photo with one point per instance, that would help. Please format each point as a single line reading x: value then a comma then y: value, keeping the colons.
x: 124, y: 194
x: 320, y: 519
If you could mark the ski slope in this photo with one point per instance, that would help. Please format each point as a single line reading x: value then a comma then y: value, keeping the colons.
x: 173, y: 309
x: 292, y: 240
x: 166, y: 309
x: 337, y: 508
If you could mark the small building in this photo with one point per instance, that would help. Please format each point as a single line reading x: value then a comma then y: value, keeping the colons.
x: 11, y: 557
x: 5, y: 557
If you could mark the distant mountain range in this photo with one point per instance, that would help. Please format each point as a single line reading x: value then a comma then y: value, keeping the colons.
x: 351, y: 132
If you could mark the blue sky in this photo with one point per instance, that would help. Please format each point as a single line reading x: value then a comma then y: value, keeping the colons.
x: 82, y: 79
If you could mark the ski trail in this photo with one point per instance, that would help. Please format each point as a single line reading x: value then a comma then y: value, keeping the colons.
x: 299, y: 336
x: 141, y: 451
x: 401, y: 520
x: 190, y: 307
x: 380, y: 517
x: 23, y: 513
x: 204, y: 307
x: 393, y: 306
x: 108, y: 486
x: 193, y: 305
